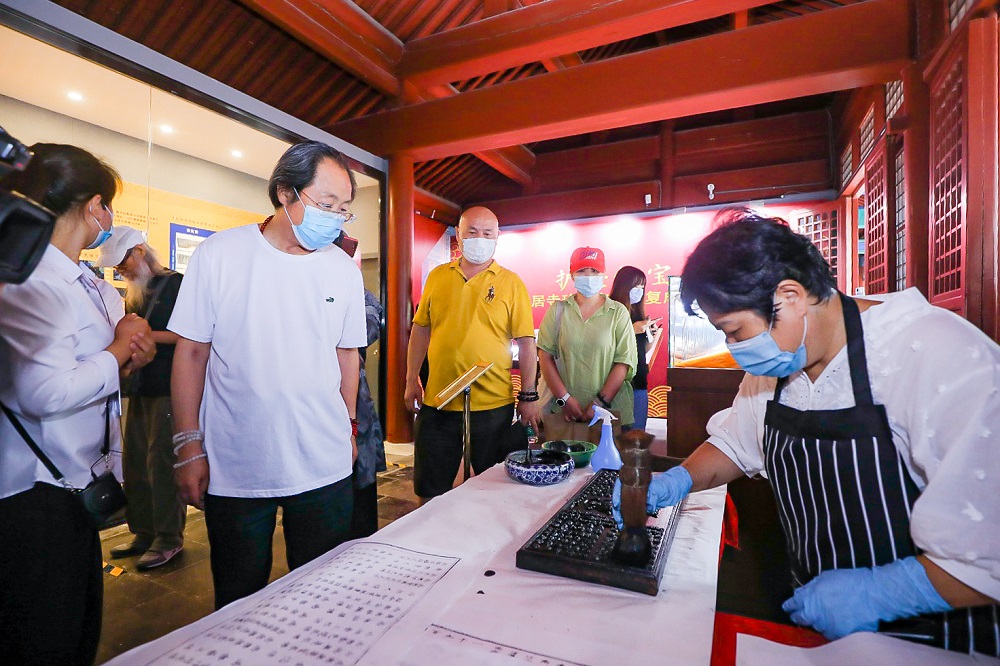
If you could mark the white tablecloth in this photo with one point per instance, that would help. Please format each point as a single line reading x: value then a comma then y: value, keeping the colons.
x: 439, y: 586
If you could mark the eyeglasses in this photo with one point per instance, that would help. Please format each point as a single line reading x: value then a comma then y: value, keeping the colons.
x: 329, y: 208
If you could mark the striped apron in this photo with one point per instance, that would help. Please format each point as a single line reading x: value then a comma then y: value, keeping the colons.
x: 844, y: 498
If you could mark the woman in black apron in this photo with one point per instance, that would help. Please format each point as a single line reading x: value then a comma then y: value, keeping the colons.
x: 844, y: 492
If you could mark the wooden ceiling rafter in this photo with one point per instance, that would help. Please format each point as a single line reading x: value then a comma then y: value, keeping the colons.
x: 463, y: 189
x: 166, y: 31
x: 341, y: 31
x: 436, y: 20
x: 226, y: 67
x: 465, y: 12
x: 445, y: 167
x: 229, y: 41
x: 198, y: 31
x: 330, y: 35
x: 217, y: 49
x: 451, y: 168
x: 437, y: 166
x: 853, y: 46
x: 545, y: 30
x: 313, y: 78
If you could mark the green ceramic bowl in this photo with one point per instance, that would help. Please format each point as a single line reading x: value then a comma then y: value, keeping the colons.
x: 579, y: 451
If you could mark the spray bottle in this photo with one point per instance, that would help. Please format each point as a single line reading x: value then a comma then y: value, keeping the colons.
x: 606, y: 456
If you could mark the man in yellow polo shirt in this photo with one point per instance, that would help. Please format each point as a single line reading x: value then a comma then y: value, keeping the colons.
x: 469, y: 312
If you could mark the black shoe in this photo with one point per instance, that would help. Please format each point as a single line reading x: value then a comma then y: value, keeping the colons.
x: 136, y: 546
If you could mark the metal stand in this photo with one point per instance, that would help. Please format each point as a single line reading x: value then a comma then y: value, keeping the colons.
x: 467, y: 433
x: 463, y: 385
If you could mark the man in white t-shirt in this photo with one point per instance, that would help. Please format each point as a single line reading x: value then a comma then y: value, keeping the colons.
x: 265, y: 375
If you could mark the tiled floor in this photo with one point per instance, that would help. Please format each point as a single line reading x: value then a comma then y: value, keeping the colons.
x: 139, y: 607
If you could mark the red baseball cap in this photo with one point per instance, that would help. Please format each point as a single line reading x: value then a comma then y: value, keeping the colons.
x: 586, y: 257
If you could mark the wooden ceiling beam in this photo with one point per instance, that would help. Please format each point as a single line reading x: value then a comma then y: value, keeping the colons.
x: 340, y: 31
x: 839, y: 49
x: 497, y: 7
x: 562, y: 62
x: 515, y: 162
x: 437, y: 208
x: 548, y: 30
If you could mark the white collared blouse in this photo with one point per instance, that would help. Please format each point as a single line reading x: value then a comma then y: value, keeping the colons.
x: 939, y: 379
x: 55, y: 373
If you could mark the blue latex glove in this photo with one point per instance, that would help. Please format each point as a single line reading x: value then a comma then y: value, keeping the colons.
x: 841, y: 601
x: 665, y: 489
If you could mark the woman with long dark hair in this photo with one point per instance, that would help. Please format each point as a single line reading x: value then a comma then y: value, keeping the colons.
x: 65, y: 341
x: 629, y: 289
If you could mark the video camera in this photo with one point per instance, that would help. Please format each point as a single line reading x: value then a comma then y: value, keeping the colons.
x: 25, y: 226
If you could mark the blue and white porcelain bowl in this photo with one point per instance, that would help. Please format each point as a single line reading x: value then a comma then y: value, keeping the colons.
x: 546, y: 468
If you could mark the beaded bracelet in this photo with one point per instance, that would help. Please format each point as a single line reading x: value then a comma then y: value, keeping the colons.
x: 184, y: 438
x: 185, y: 443
x: 190, y: 460
x: 187, y: 436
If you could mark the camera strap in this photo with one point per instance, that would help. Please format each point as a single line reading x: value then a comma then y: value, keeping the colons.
x: 49, y: 465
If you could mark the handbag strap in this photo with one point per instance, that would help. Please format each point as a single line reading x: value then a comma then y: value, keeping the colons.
x: 560, y: 306
x: 49, y: 465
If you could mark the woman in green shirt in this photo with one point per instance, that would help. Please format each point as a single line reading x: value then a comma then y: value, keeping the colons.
x: 586, y: 345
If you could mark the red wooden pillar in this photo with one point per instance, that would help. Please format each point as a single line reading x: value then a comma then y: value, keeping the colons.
x: 916, y: 170
x: 399, y: 309
x: 983, y: 216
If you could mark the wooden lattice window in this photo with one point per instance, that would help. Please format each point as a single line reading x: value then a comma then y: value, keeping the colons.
x: 957, y: 9
x: 846, y: 167
x: 867, y: 134
x: 893, y: 98
x: 947, y: 223
x: 900, y: 221
x: 876, y: 224
x: 821, y: 229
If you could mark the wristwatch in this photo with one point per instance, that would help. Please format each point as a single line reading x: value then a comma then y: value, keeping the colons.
x: 563, y: 400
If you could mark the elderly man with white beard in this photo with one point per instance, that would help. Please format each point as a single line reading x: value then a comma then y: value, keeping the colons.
x: 154, y: 513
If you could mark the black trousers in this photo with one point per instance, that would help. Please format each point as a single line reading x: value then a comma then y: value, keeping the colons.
x: 437, y: 449
x: 364, y: 522
x: 51, y: 586
x: 240, y: 531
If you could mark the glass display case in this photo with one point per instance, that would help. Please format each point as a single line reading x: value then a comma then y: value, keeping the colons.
x: 693, y: 341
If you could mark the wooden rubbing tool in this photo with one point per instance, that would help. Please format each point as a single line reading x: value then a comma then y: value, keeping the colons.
x: 633, y: 547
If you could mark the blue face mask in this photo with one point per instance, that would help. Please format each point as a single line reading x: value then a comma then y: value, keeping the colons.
x: 588, y: 285
x: 318, y: 228
x: 635, y: 294
x: 102, y: 235
x: 760, y: 355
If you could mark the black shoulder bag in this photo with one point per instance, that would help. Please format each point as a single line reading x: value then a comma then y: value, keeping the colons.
x: 103, y: 497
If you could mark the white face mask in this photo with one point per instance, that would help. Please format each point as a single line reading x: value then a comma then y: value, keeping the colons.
x: 478, y: 250
x: 635, y: 294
